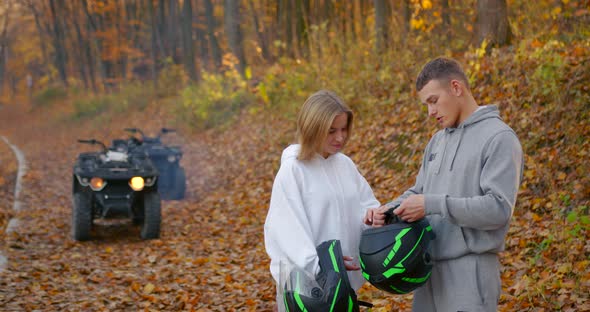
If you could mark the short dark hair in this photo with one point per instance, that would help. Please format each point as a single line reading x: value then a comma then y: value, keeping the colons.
x: 441, y: 68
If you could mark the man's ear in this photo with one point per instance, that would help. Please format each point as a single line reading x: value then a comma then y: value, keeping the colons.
x: 457, y: 87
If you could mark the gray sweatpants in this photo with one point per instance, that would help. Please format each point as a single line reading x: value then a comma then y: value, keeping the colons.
x: 469, y: 283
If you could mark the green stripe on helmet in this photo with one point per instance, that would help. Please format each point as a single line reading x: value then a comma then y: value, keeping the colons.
x: 335, y: 296
x: 413, y: 248
x: 397, y: 290
x: 396, y: 246
x: 417, y: 280
x: 285, y: 300
x: 333, y: 257
x: 366, y: 275
x: 395, y: 270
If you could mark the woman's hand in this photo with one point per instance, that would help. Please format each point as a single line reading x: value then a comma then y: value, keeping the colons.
x: 348, y: 265
x: 376, y: 216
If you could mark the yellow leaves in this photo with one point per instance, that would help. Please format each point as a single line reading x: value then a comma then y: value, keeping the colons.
x: 417, y: 23
x: 426, y: 4
x: 135, y: 286
x: 555, y: 12
x: 564, y: 268
x: 536, y: 43
x: 148, y: 288
x: 536, y: 217
x: 228, y: 278
x: 582, y: 266
x: 109, y: 249
x: 200, y: 261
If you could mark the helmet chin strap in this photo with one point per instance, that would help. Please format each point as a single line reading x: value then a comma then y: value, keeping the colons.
x: 391, y: 217
x: 365, y: 304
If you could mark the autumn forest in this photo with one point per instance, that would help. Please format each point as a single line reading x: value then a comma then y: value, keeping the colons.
x: 230, y: 77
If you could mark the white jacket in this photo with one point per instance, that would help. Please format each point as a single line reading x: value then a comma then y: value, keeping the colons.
x: 311, y: 202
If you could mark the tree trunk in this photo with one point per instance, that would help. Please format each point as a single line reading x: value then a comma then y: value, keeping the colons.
x: 203, y: 43
x: 95, y: 25
x: 407, y: 14
x: 42, y: 37
x: 380, y: 24
x: 3, y: 51
x: 161, y: 23
x: 58, y: 41
x: 446, y: 19
x: 259, y: 33
x: 81, y: 61
x: 154, y: 50
x: 285, y: 24
x: 188, y: 53
x: 302, y: 12
x: 492, y: 23
x: 234, y: 33
x: 211, y: 24
x: 172, y: 30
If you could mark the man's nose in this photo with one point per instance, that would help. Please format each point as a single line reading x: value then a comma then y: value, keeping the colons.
x: 431, y: 111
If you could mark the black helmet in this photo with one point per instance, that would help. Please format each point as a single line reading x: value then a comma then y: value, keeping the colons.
x: 330, y: 290
x: 395, y: 257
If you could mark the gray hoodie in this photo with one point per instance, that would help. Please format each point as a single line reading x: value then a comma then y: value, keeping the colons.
x: 469, y: 177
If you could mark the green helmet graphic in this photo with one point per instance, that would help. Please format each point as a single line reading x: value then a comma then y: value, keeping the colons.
x: 395, y: 257
x: 330, y: 290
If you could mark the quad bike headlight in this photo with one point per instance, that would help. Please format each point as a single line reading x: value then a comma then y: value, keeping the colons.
x: 137, y: 183
x: 97, y: 184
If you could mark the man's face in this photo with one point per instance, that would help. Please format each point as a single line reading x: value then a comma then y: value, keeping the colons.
x: 442, y: 101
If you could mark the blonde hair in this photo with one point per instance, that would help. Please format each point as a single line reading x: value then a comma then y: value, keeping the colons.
x: 315, y: 119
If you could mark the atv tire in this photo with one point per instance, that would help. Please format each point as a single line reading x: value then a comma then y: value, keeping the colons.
x: 179, y: 185
x: 152, y: 218
x: 81, y: 216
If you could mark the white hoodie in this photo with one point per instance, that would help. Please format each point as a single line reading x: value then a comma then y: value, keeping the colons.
x: 311, y: 202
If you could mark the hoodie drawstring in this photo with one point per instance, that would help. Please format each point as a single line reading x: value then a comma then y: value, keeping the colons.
x: 457, y: 148
x: 444, y: 151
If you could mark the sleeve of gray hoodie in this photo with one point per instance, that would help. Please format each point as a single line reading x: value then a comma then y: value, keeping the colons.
x: 500, y: 179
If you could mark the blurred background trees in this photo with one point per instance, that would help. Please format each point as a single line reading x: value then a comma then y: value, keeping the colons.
x: 99, y: 44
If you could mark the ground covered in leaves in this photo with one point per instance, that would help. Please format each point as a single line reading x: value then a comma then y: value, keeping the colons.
x: 210, y: 256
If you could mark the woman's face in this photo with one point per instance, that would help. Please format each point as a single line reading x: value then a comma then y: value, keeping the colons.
x: 336, y: 135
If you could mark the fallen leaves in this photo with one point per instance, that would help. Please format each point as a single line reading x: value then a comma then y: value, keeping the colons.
x: 211, y: 255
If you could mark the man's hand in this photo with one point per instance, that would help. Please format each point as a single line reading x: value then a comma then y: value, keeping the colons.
x: 411, y: 209
x: 376, y: 216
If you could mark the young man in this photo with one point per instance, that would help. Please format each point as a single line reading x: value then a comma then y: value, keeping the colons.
x: 466, y: 188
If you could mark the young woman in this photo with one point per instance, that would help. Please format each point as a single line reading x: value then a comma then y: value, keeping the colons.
x: 318, y: 193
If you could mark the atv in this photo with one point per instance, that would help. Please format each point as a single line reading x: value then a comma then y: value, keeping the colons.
x: 172, y: 180
x: 115, y: 184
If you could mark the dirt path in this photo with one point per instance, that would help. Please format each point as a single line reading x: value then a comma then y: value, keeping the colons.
x: 209, y: 256
x: 22, y: 169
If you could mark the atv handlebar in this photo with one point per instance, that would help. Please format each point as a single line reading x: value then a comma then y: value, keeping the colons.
x: 143, y: 136
x: 167, y: 130
x: 94, y: 142
x: 135, y: 130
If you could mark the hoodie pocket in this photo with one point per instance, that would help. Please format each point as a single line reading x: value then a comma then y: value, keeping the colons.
x: 488, y: 281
